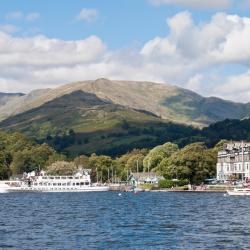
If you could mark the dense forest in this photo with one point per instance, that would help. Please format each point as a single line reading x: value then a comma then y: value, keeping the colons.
x: 118, y: 143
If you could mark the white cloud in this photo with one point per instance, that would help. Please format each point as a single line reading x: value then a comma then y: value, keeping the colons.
x: 14, y: 15
x: 32, y: 16
x: 196, y: 4
x: 188, y: 56
x: 222, y: 40
x: 18, y: 15
x: 87, y: 15
x: 195, y: 83
x: 236, y: 88
x: 9, y: 28
x: 40, y: 50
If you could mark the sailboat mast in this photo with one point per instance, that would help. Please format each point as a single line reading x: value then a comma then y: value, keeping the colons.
x: 243, y: 167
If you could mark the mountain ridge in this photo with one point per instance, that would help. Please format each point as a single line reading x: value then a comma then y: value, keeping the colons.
x: 169, y: 102
x: 81, y: 122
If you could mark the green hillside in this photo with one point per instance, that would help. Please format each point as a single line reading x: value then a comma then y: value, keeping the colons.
x: 187, y: 106
x: 81, y: 123
x: 166, y: 101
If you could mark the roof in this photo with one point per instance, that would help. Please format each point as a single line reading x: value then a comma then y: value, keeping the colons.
x: 145, y: 175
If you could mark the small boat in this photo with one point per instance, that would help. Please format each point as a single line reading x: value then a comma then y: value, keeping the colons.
x: 40, y: 182
x: 239, y: 191
x: 136, y: 190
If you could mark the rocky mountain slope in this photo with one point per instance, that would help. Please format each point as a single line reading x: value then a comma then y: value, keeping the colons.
x: 166, y: 101
x: 82, y: 123
x: 8, y: 97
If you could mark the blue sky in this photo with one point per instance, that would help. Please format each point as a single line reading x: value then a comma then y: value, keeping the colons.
x: 121, y: 23
x: 127, y: 39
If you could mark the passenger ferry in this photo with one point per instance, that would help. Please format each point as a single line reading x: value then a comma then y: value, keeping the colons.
x: 40, y: 182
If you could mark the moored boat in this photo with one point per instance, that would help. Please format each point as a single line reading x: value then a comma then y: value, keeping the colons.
x: 239, y: 191
x: 40, y: 182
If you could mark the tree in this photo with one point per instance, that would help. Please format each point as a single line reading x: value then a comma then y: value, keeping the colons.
x: 129, y: 162
x: 194, y: 162
x: 61, y: 168
x: 5, y: 159
x: 82, y: 161
x: 102, y: 165
x: 157, y: 154
x: 54, y: 158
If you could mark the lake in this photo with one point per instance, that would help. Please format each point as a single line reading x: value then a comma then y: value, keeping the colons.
x: 131, y: 221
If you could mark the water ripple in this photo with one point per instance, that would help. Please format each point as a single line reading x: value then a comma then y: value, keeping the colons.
x: 108, y: 221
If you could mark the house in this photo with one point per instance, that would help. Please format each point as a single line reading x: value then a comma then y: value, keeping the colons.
x: 234, y: 161
x: 137, y: 179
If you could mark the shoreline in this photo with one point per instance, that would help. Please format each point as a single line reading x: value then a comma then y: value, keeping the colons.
x: 188, y: 191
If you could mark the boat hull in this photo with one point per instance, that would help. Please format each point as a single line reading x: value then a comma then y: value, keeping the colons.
x: 238, y: 193
x: 55, y: 190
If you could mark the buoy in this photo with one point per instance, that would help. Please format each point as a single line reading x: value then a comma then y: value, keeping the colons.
x: 120, y: 194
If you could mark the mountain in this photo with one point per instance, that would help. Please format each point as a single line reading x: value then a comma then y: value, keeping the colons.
x: 7, y: 97
x: 166, y: 101
x: 112, y: 117
x: 83, y: 123
x: 13, y: 104
x: 229, y: 129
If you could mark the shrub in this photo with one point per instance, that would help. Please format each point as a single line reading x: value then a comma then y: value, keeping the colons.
x: 166, y: 183
x: 172, y: 183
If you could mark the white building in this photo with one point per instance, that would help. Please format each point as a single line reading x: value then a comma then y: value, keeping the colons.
x: 234, y: 161
x: 137, y: 179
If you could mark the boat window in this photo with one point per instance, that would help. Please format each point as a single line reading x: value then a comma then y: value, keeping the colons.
x: 82, y: 183
x: 70, y: 177
x: 74, y: 184
x: 52, y: 178
x: 77, y: 184
x: 54, y: 184
x: 76, y: 177
x: 57, y: 177
x: 63, y: 184
x: 59, y: 184
x: 68, y: 183
x: 87, y: 183
x: 64, y: 177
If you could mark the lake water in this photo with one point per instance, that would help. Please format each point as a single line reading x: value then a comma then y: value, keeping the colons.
x: 131, y: 221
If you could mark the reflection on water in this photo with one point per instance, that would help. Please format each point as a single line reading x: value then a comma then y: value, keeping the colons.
x: 110, y: 221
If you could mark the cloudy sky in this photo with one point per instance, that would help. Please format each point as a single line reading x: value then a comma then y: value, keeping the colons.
x: 200, y: 45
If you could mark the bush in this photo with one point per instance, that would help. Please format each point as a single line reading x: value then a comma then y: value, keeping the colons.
x: 166, y: 183
x: 172, y: 183
x: 146, y: 186
x: 181, y: 183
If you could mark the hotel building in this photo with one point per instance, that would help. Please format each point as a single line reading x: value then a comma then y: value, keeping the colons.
x: 234, y: 161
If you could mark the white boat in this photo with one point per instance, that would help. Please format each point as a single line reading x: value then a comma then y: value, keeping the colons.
x: 33, y: 182
x: 137, y: 190
x: 239, y: 191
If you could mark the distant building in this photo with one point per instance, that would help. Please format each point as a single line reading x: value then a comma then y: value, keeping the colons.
x: 137, y: 179
x: 234, y: 161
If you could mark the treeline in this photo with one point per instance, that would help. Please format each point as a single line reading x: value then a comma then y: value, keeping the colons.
x: 126, y: 135
x: 194, y: 162
x: 19, y: 154
x: 132, y: 136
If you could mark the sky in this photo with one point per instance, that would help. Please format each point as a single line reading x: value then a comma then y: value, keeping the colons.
x: 202, y: 45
